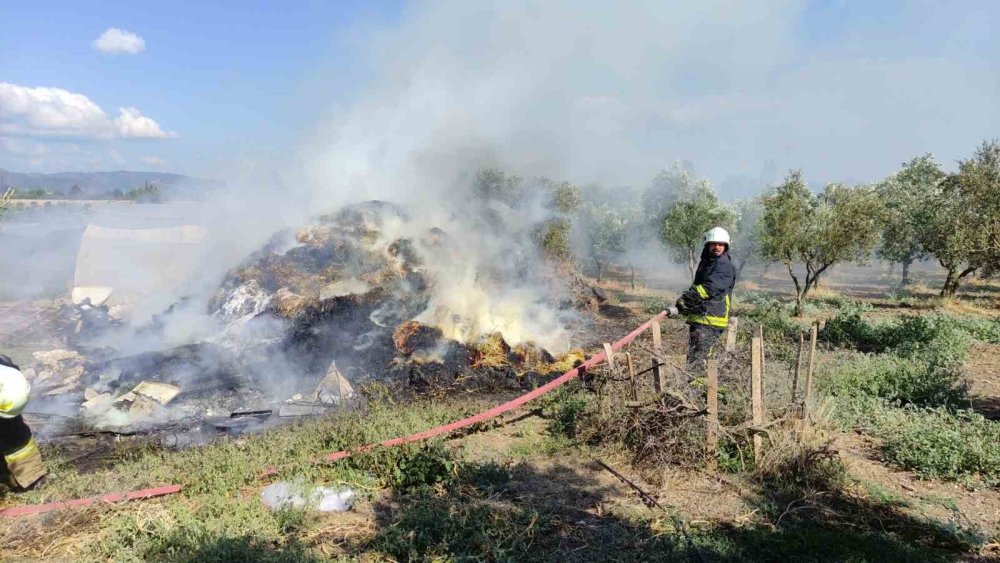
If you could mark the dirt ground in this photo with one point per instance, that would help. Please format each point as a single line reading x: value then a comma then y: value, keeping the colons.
x: 581, y: 491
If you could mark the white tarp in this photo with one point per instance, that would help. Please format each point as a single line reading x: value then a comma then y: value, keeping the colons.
x: 128, y: 257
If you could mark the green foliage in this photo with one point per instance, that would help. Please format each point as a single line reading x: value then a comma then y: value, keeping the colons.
x: 34, y: 193
x: 493, y: 184
x: 976, y: 187
x: 696, y: 210
x: 425, y: 465
x: 553, y: 237
x: 607, y: 230
x: 563, y: 409
x: 939, y: 339
x: 565, y: 197
x: 941, y: 443
x: 149, y: 193
x: 746, y: 233
x: 663, y: 192
x: 905, y: 195
x: 897, y: 379
x: 797, y: 227
x: 759, y: 307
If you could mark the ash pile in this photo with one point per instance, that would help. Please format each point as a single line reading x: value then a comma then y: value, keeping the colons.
x: 363, y: 294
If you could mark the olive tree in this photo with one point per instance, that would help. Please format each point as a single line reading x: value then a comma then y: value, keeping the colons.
x: 746, y: 239
x: 961, y: 227
x: 685, y: 223
x: 905, y: 196
x: 817, y: 231
x: 607, y: 230
x: 663, y: 192
x: 553, y: 235
x: 493, y: 184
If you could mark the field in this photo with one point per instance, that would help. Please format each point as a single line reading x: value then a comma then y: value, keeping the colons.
x: 903, y: 462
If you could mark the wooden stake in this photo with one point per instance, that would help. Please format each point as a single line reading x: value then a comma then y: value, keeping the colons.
x: 809, y: 375
x: 798, y: 370
x: 658, y: 383
x: 763, y: 366
x: 756, y: 395
x: 609, y: 356
x: 712, y: 420
x: 734, y: 323
x: 631, y: 376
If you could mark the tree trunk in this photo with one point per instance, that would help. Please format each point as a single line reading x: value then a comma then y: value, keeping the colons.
x: 906, y: 272
x: 953, y: 279
x: 739, y: 269
x: 598, y: 263
x: 692, y: 263
x: 799, y: 290
x: 632, y: 275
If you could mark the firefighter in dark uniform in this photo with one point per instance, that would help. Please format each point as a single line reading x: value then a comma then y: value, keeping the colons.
x: 22, y: 463
x: 706, y: 303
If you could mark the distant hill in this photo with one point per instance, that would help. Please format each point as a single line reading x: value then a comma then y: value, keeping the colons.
x: 96, y: 184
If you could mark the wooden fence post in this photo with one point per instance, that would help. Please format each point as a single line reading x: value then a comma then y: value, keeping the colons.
x: 798, y: 370
x: 756, y: 394
x: 734, y: 324
x: 763, y: 365
x: 809, y: 376
x: 631, y: 377
x: 712, y: 420
x: 658, y: 385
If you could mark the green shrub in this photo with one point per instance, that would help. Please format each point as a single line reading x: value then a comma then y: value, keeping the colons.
x: 982, y: 329
x: 408, y: 467
x: 897, y: 379
x: 938, y: 443
x: 850, y: 328
x: 563, y: 409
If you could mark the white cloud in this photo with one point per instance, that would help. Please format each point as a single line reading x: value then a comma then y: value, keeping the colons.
x: 54, y: 112
x: 116, y: 40
x: 132, y: 124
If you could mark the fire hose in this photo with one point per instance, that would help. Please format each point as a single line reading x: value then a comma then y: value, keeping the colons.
x: 430, y: 433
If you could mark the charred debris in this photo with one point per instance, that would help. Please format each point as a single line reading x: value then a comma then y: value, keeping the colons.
x: 300, y: 324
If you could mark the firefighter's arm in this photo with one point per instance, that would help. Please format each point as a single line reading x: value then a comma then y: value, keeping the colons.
x: 717, y: 282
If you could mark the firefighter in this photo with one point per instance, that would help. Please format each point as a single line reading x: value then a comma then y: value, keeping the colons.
x: 705, y: 304
x: 22, y: 461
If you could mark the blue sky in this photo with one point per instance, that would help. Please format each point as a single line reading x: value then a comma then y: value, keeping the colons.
x: 845, y: 90
x: 232, y: 79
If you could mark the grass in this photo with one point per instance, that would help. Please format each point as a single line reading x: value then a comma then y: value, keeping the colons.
x: 910, y: 392
x: 527, y: 499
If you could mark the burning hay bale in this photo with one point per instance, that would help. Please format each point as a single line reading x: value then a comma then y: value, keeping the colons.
x: 492, y: 351
x: 286, y: 304
x: 413, y: 336
x: 529, y: 354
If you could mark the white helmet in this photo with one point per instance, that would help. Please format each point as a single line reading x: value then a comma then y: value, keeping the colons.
x: 717, y: 234
x: 14, y: 389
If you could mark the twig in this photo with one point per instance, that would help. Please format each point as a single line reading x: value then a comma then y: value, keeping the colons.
x: 650, y: 502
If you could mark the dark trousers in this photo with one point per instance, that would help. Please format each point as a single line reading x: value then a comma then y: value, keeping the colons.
x: 701, y: 340
x: 14, y: 435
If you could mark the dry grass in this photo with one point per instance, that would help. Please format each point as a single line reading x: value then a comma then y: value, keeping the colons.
x: 491, y: 351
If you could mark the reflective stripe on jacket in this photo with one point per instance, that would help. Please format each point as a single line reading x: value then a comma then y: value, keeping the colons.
x: 708, y: 300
